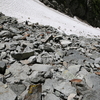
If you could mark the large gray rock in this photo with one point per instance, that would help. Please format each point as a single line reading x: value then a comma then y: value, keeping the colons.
x: 65, y: 88
x: 93, y: 81
x: 18, y: 71
x: 6, y: 93
x: 18, y: 88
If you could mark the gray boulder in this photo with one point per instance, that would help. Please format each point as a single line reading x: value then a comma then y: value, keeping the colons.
x: 6, y: 93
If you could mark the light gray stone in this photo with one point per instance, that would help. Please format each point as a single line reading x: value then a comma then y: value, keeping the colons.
x: 2, y: 46
x: 48, y: 85
x: 93, y: 81
x: 40, y: 67
x: 65, y: 88
x: 97, y: 61
x: 6, y: 93
x: 74, y: 69
x: 51, y: 97
x: 19, y: 71
x: 3, y: 55
x: 65, y: 43
x: 32, y: 59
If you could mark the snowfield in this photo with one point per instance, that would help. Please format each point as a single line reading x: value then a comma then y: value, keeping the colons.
x: 34, y: 11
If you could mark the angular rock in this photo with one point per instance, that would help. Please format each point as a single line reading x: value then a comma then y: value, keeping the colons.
x: 18, y: 71
x: 3, y: 55
x: 97, y: 61
x: 6, y: 93
x: 65, y: 43
x: 65, y: 88
x: 2, y: 46
x: 74, y: 69
x: 17, y: 88
x: 92, y: 95
x: 51, y: 97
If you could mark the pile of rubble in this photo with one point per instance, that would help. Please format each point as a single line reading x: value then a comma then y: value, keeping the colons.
x: 38, y: 62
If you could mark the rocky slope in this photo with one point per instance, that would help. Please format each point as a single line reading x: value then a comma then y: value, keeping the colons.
x: 88, y: 10
x: 39, y: 61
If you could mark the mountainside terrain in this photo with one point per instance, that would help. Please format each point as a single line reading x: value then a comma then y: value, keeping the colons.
x: 35, y: 11
x: 88, y: 10
x: 46, y: 55
x: 38, y: 62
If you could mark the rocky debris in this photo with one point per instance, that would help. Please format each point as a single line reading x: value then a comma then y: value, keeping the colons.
x: 38, y: 61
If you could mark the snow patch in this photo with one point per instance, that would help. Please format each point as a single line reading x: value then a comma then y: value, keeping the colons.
x: 34, y: 11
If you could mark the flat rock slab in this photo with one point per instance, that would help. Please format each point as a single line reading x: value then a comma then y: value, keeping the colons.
x: 65, y: 88
x: 40, y: 67
x: 51, y: 97
x: 6, y: 93
x: 18, y: 88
